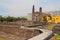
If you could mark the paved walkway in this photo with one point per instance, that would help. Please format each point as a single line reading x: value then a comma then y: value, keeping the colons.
x: 42, y: 36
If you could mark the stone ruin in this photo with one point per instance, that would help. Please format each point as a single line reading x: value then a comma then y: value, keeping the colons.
x: 23, y: 33
x: 18, y: 23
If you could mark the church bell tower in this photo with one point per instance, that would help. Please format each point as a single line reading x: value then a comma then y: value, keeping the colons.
x: 33, y: 10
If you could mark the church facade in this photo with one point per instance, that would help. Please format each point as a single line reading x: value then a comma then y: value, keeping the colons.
x: 36, y: 16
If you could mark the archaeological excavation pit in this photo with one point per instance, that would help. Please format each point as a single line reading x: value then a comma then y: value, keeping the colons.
x: 16, y: 33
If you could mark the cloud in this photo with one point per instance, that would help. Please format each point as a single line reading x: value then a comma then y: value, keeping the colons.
x: 23, y: 7
x: 17, y: 7
x: 48, y: 5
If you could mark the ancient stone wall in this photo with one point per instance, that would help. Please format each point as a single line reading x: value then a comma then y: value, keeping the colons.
x: 21, y: 32
x: 18, y: 23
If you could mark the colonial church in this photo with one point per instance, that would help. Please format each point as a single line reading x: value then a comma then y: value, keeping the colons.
x: 36, y: 16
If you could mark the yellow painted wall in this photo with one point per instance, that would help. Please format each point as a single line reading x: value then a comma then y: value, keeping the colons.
x: 54, y: 19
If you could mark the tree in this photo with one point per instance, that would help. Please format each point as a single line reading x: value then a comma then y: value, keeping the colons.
x: 18, y: 19
x: 10, y: 19
x: 23, y: 18
x: 1, y: 19
x: 50, y: 17
x: 44, y: 19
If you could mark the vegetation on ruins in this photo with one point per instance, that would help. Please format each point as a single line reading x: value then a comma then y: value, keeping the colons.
x: 11, y: 19
x: 50, y: 17
x: 1, y: 38
x: 45, y: 18
x: 55, y: 37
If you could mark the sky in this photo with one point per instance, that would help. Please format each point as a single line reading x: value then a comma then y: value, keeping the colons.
x: 18, y: 8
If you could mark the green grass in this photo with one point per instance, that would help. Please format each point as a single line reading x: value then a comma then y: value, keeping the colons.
x: 1, y: 38
x: 57, y: 36
x: 37, y: 27
x: 51, y: 26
